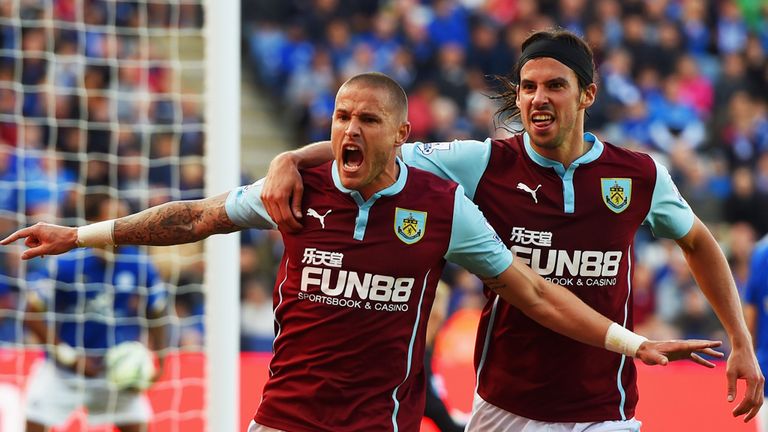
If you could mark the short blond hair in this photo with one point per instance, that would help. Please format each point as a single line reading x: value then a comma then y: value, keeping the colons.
x: 377, y: 79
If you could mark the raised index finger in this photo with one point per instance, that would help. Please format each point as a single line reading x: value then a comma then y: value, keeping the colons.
x: 22, y: 233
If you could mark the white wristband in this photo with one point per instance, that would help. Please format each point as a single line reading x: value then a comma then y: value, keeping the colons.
x: 99, y: 234
x: 65, y: 354
x: 623, y: 341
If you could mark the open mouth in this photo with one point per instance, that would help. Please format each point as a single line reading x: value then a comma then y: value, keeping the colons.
x: 542, y: 120
x: 352, y: 157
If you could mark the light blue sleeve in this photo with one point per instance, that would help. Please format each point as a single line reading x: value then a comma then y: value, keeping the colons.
x: 461, y: 161
x: 670, y: 215
x: 245, y: 209
x: 474, y: 244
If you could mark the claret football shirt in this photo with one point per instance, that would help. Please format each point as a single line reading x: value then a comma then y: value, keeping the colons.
x: 353, y: 294
x: 575, y: 226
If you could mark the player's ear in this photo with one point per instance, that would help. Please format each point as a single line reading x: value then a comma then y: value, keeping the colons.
x: 588, y: 96
x: 403, y: 131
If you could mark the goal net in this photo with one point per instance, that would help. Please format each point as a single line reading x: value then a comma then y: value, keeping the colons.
x: 102, y: 101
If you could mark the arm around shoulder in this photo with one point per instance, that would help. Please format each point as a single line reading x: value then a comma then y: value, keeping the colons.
x: 282, y: 190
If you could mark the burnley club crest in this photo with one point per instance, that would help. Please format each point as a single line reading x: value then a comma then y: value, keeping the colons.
x: 410, y: 225
x: 617, y: 193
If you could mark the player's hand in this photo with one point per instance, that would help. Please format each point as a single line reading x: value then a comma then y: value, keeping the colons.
x: 86, y: 366
x: 282, y: 192
x: 742, y: 365
x: 663, y: 352
x: 44, y: 239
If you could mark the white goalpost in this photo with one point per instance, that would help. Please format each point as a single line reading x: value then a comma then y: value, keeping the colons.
x: 222, y: 252
x: 139, y: 101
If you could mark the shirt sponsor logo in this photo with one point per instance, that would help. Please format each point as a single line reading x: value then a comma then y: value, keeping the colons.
x: 565, y: 267
x: 351, y: 289
x: 554, y: 262
x: 523, y: 236
x: 320, y: 257
x: 410, y: 225
x: 617, y: 193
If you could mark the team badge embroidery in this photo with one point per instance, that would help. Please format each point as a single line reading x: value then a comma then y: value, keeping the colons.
x: 410, y: 225
x: 617, y: 193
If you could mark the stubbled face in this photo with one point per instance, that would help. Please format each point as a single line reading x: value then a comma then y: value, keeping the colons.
x: 551, y: 104
x: 365, y: 133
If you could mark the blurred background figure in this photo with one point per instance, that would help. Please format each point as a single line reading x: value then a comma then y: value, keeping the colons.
x: 78, y: 306
x: 256, y: 320
x: 756, y: 312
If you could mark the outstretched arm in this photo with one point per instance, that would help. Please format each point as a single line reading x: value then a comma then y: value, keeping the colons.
x: 283, y: 187
x: 559, y: 309
x: 175, y: 222
x: 172, y: 223
x: 710, y: 269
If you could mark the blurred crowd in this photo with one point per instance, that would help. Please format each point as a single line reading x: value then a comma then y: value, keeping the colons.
x: 91, y: 102
x: 684, y: 80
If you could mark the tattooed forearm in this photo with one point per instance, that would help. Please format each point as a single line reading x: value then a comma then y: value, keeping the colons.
x: 494, y: 283
x: 175, y: 223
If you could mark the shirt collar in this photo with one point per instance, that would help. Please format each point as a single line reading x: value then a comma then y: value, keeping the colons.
x: 392, y: 189
x: 591, y: 155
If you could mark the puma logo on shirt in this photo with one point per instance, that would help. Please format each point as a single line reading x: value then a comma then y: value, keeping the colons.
x: 524, y: 187
x: 315, y: 214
